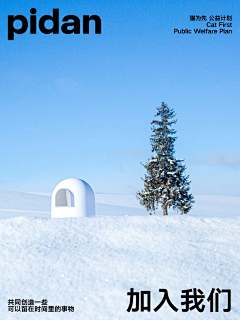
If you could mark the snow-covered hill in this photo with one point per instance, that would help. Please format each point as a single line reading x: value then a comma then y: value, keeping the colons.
x: 13, y: 204
x: 91, y: 263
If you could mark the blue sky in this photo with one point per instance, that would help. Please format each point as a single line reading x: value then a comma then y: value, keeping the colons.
x: 81, y: 105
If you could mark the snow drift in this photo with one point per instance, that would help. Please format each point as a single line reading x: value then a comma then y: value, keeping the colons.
x: 91, y: 263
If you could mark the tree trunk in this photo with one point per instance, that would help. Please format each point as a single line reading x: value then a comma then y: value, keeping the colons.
x: 164, y: 208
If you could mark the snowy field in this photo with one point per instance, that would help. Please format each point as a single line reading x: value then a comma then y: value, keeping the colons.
x: 91, y: 263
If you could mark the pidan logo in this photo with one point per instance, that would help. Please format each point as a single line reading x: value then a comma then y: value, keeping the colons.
x: 70, y: 24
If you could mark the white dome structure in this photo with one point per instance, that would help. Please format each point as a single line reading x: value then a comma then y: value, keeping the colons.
x: 72, y: 198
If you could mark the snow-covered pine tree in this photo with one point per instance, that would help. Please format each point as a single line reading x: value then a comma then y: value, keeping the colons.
x: 165, y: 183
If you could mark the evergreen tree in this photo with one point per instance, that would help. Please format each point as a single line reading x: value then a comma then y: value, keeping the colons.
x: 165, y: 183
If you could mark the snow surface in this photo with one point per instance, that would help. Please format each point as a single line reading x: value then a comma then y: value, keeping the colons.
x: 91, y: 263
